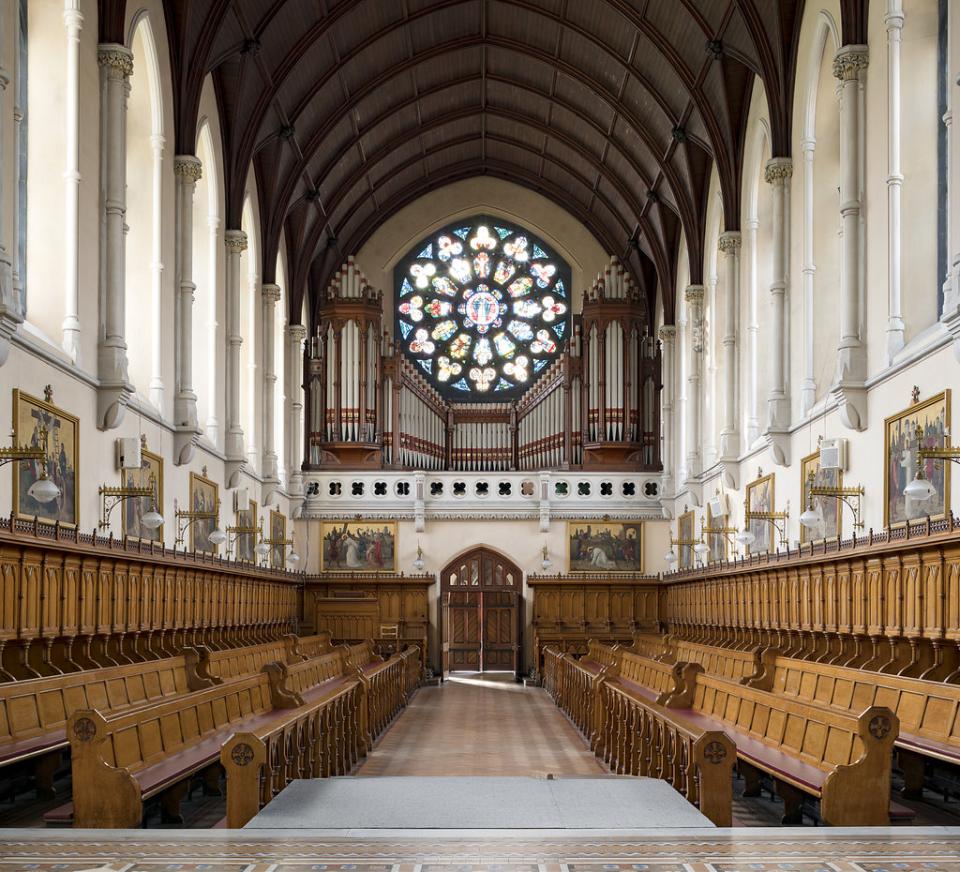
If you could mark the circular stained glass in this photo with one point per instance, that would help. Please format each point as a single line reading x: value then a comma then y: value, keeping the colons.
x: 482, y: 308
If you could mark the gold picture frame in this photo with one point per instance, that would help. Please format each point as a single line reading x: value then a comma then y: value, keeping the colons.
x: 717, y: 542
x: 134, y: 509
x: 831, y: 507
x: 246, y: 543
x: 204, y: 497
x: 278, y: 534
x: 30, y: 415
x: 899, y: 447
x: 358, y: 546
x: 604, y: 546
x: 686, y: 533
x: 761, y: 496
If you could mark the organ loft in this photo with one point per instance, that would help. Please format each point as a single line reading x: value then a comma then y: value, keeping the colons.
x: 488, y: 434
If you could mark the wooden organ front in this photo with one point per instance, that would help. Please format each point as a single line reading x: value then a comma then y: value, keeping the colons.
x: 597, y: 406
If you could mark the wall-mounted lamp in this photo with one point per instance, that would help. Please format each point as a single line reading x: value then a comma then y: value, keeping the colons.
x: 920, y: 488
x: 418, y: 562
x: 112, y: 497
x: 812, y: 516
x: 545, y: 561
x: 43, y: 490
x: 747, y: 538
x: 186, y: 519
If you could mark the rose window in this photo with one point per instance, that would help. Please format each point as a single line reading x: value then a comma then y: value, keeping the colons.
x: 482, y: 308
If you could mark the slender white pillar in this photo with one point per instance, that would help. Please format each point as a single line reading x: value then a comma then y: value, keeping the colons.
x: 753, y: 335
x: 694, y: 298
x: 895, y: 327
x: 848, y: 66
x: 236, y: 243
x: 808, y: 385
x: 73, y: 21
x: 778, y: 173
x: 270, y: 296
x: 187, y: 172
x: 729, y: 245
x: 156, y: 273
x: 115, y: 390
x: 296, y: 335
x: 951, y: 284
x: 668, y: 336
x: 253, y: 312
x: 10, y: 314
x: 212, y: 424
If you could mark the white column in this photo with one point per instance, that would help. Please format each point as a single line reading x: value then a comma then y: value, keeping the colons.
x: 296, y: 335
x: 73, y: 21
x: 753, y: 336
x: 187, y: 172
x: 270, y: 296
x: 778, y: 172
x: 156, y: 273
x: 694, y: 298
x: 214, y: 391
x: 951, y: 284
x: 115, y: 390
x: 668, y: 403
x: 895, y: 326
x: 10, y: 314
x: 236, y: 243
x: 808, y: 385
x: 848, y: 65
x: 729, y: 245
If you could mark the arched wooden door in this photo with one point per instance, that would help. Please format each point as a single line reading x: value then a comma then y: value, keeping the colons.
x: 481, y: 613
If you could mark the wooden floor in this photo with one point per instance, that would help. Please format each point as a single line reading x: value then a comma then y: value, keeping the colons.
x: 481, y: 724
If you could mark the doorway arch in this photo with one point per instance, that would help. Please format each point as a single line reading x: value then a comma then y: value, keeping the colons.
x: 481, y: 620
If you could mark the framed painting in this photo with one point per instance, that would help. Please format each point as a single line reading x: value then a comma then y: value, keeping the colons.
x: 900, y: 444
x: 716, y: 541
x: 33, y: 420
x: 151, y: 469
x: 828, y: 509
x: 358, y: 546
x: 204, y: 497
x: 247, y: 542
x: 278, y: 534
x: 685, y: 533
x: 601, y: 546
x: 760, y: 496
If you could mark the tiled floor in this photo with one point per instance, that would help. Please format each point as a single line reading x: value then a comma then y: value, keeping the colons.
x: 481, y: 724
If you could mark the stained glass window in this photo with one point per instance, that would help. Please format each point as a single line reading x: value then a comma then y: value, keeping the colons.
x: 483, y: 307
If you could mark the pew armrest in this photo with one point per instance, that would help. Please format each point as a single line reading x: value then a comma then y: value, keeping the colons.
x: 681, y: 695
x: 103, y: 795
x: 282, y: 696
x: 764, y: 666
x: 291, y: 643
x: 197, y: 663
x: 858, y: 794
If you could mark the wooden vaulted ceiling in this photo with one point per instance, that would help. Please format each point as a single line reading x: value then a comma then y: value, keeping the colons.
x: 350, y: 109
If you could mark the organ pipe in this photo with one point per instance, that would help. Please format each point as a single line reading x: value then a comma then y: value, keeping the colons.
x: 597, y: 405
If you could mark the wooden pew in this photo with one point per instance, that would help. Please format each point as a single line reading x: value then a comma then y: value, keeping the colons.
x: 657, y: 742
x: 927, y: 710
x: 384, y: 682
x: 154, y: 751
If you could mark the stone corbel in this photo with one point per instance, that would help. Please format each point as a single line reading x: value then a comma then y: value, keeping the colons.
x: 778, y: 441
x: 10, y: 315
x: 730, y: 473
x: 270, y: 493
x: 232, y: 470
x: 851, y: 399
x: 951, y: 307
x: 112, y: 401
x: 185, y: 441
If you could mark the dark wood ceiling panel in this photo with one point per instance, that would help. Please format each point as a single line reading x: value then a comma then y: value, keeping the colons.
x: 350, y: 109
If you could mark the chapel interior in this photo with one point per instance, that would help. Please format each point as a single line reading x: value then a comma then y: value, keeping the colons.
x: 501, y: 434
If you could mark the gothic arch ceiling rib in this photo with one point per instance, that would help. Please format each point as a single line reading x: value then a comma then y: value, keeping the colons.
x: 350, y: 109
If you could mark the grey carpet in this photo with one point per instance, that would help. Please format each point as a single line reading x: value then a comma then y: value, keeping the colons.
x: 478, y: 803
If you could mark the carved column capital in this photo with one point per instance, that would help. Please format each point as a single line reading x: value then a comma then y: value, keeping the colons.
x: 188, y: 166
x: 235, y: 241
x: 270, y: 293
x: 849, y: 61
x: 116, y: 58
x: 729, y: 242
x: 778, y: 169
x: 693, y: 294
x: 668, y: 333
x: 296, y: 332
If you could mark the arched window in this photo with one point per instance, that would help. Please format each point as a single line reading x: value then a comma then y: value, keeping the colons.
x: 482, y: 309
x: 206, y: 272
x: 144, y: 240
